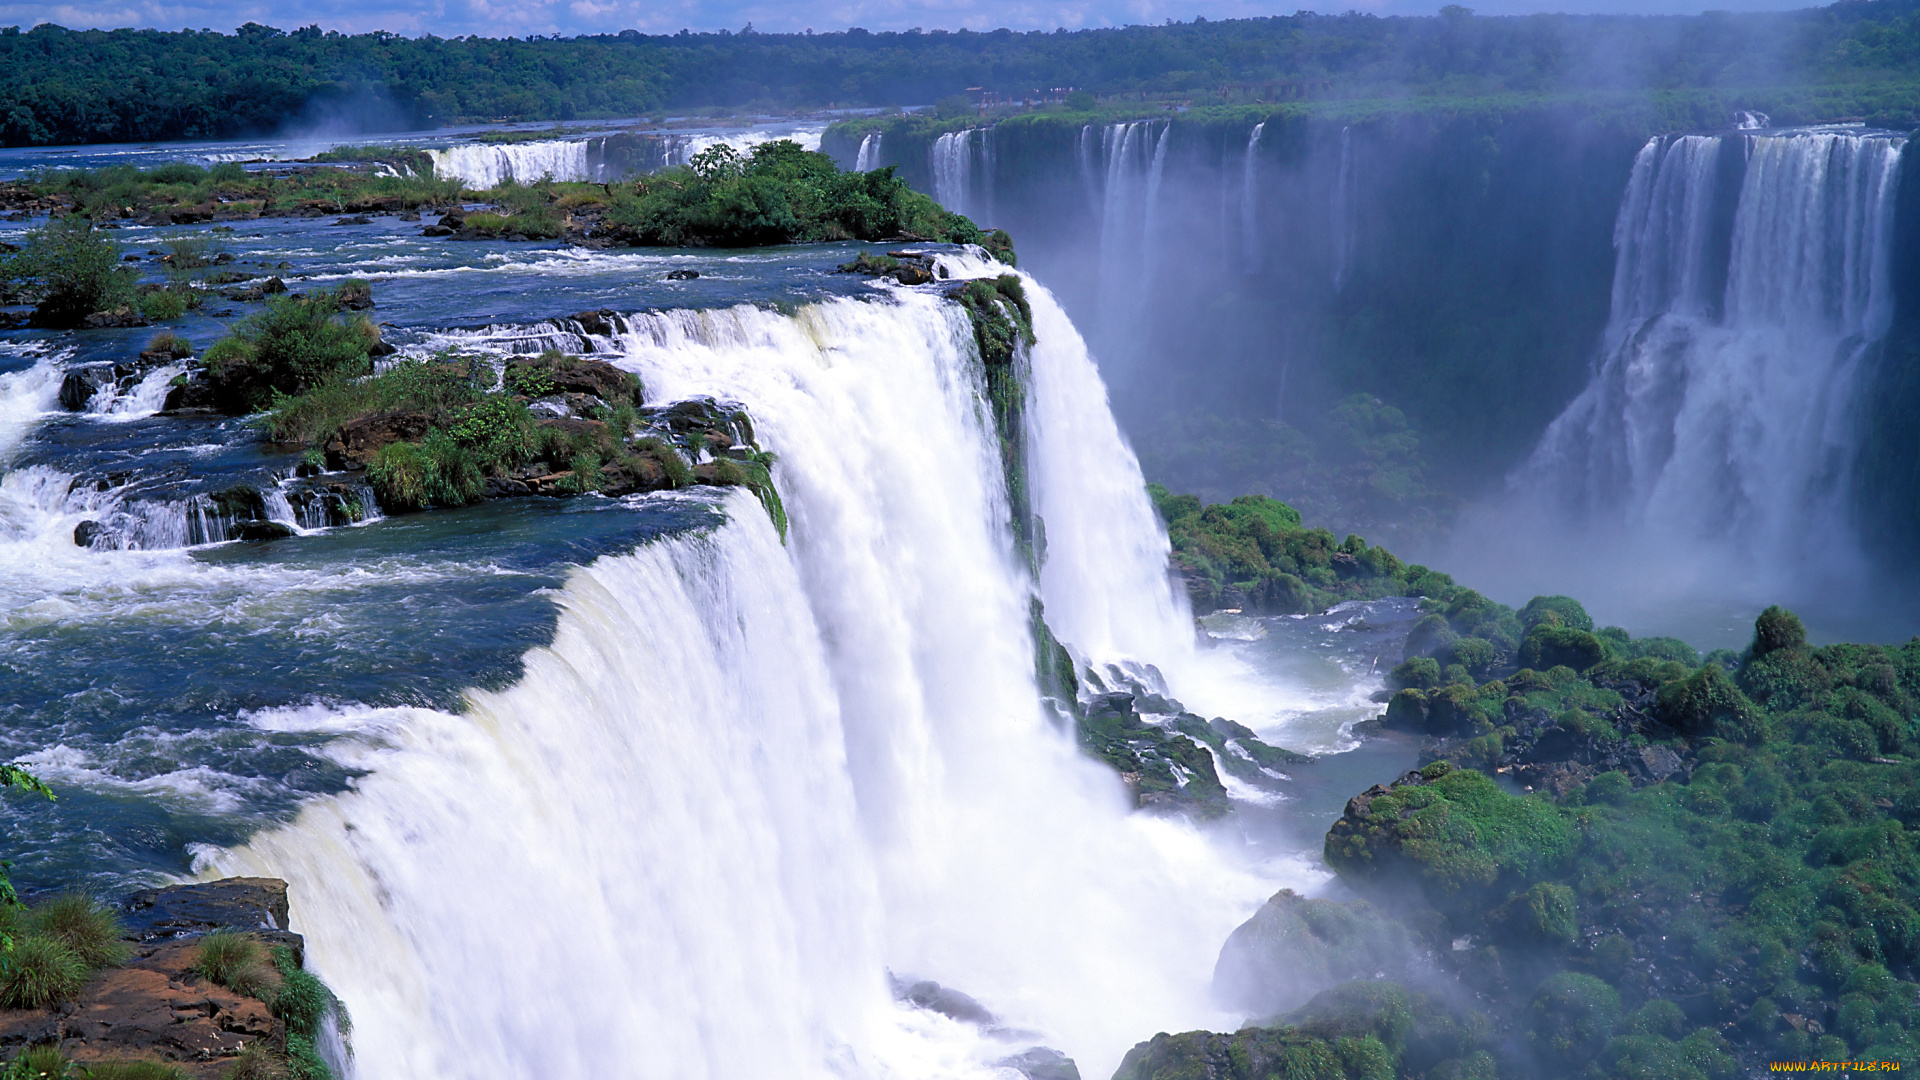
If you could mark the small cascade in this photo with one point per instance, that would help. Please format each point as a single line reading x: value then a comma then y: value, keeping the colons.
x: 1745, y: 120
x: 1250, y: 202
x: 867, y: 158
x: 1751, y: 285
x: 482, y: 165
x: 142, y: 398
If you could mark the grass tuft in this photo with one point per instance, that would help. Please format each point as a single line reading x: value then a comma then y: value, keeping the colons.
x: 237, y: 962
x: 85, y: 925
x: 40, y: 973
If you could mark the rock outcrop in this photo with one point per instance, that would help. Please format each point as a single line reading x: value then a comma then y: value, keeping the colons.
x: 156, y: 1005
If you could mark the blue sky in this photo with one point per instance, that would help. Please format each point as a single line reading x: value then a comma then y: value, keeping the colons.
x: 494, y: 18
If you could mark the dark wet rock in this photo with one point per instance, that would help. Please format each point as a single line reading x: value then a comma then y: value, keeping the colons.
x: 14, y: 320
x: 356, y: 219
x: 359, y: 439
x: 260, y: 531
x: 82, y: 382
x: 595, y: 323
x: 948, y: 1002
x: 85, y: 533
x: 436, y: 230
x: 682, y: 275
x: 190, y: 393
x: 240, y: 903
x: 411, y: 215
x: 119, y: 317
x: 1041, y: 1063
x: 354, y: 296
x: 240, y: 502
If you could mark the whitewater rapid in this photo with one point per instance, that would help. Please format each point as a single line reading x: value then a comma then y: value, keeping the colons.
x: 747, y: 781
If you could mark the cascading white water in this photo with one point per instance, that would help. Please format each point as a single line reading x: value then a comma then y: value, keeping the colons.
x: 867, y: 158
x: 745, y: 782
x: 1134, y: 163
x: 1345, y: 207
x: 1250, y: 201
x: 1720, y: 419
x: 144, y: 398
x: 482, y: 166
x: 684, y: 148
x: 952, y: 165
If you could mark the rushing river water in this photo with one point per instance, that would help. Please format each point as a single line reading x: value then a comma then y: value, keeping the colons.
x: 565, y: 785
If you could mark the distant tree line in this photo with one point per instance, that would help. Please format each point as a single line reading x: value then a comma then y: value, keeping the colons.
x: 65, y: 86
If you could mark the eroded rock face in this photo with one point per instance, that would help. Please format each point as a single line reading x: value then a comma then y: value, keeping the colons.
x: 153, y: 1007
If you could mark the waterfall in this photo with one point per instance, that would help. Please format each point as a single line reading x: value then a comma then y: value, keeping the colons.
x: 867, y: 158
x: 1250, y: 202
x: 1720, y: 417
x: 952, y: 166
x: 1345, y: 207
x: 480, y: 166
x: 1130, y: 188
x: 747, y: 781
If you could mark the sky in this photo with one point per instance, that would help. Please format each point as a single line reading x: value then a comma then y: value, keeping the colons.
x: 518, y: 18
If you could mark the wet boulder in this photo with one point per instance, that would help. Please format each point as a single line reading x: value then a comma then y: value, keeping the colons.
x: 82, y: 382
x: 85, y: 533
x: 557, y: 373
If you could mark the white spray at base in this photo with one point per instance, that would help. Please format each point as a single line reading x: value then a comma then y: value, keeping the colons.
x: 1710, y: 456
x: 748, y: 781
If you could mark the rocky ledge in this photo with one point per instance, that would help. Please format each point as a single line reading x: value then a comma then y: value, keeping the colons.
x: 166, y: 1002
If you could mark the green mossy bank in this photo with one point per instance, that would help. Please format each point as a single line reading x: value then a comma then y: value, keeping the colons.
x: 1621, y: 858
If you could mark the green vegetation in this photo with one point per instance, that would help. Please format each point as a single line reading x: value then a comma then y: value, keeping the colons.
x: 62, y: 86
x: 238, y: 962
x: 294, y: 345
x: 242, y: 964
x: 187, y: 194
x: 305, y: 1004
x: 83, y: 925
x: 1255, y: 555
x: 70, y: 270
x: 1713, y: 870
x: 777, y: 195
x: 54, y: 949
x: 40, y: 973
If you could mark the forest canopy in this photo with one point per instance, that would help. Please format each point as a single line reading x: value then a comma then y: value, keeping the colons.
x: 66, y: 86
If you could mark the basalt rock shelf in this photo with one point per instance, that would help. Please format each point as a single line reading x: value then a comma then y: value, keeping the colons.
x: 162, y: 1002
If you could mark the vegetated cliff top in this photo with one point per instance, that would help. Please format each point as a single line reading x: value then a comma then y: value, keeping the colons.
x: 65, y: 86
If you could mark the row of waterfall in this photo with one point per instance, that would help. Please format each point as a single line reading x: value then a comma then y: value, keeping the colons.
x: 1723, y: 415
x: 1751, y: 287
x: 599, y: 158
x: 749, y: 784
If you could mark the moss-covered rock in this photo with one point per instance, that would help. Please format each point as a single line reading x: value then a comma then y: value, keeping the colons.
x: 1295, y: 946
x: 1453, y: 832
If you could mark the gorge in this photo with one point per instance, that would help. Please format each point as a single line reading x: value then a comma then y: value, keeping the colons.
x: 920, y: 764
